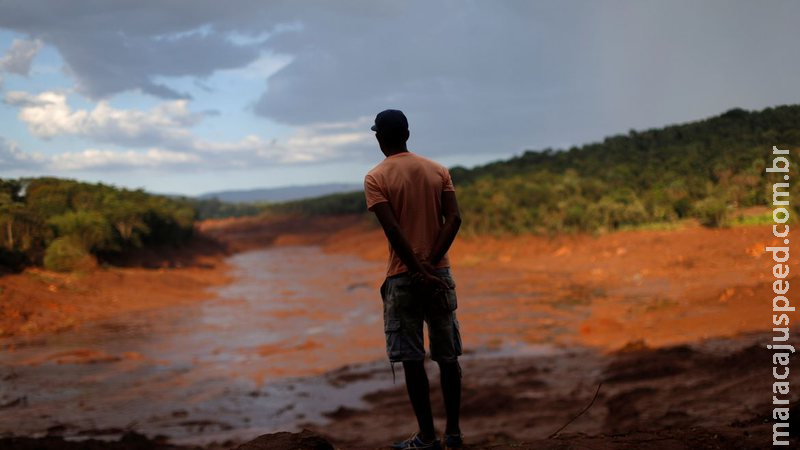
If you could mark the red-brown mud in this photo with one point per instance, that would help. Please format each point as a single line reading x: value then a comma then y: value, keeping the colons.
x: 38, y: 301
x: 710, y: 395
x: 672, y: 323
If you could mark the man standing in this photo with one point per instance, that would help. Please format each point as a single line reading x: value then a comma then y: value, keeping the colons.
x: 415, y: 202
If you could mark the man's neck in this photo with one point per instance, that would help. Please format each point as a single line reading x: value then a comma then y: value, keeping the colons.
x: 396, y: 151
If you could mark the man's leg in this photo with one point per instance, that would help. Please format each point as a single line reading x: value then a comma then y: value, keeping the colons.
x: 403, y: 319
x: 450, y: 377
x: 445, y: 337
x: 419, y: 394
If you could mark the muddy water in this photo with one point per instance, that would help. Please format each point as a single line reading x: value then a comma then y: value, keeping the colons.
x: 260, y: 354
x: 237, y: 365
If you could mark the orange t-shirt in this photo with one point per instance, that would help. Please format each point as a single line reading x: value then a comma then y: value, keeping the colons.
x: 413, y: 186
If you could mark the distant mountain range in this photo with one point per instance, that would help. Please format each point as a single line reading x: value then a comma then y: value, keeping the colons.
x: 281, y: 194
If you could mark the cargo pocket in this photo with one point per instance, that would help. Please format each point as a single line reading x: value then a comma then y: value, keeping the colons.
x: 451, y: 300
x: 383, y: 289
x: 457, y: 338
x: 392, y: 326
x: 393, y: 342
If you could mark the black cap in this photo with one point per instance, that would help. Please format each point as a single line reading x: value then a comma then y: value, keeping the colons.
x: 390, y: 119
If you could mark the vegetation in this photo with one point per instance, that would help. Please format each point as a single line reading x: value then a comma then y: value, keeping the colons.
x: 213, y: 208
x: 341, y: 203
x: 707, y: 170
x: 66, y: 224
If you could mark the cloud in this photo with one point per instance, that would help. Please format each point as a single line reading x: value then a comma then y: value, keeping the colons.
x: 13, y: 158
x: 111, y: 47
x: 501, y: 77
x: 165, y: 129
x: 161, y: 138
x: 473, y: 77
x: 132, y: 62
x: 130, y: 159
x: 48, y: 115
x: 19, y: 57
x: 313, y: 143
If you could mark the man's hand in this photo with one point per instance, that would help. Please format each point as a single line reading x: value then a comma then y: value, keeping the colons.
x: 426, y: 265
x: 431, y: 287
x: 422, y: 270
x: 426, y: 277
x: 428, y: 282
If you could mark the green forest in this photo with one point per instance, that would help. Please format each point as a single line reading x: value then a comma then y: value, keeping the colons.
x: 66, y: 225
x: 709, y: 170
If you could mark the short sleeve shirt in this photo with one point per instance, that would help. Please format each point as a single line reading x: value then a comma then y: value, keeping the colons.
x: 413, y: 186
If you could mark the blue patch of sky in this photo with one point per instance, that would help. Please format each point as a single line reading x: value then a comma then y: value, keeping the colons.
x: 46, y: 74
x: 228, y: 96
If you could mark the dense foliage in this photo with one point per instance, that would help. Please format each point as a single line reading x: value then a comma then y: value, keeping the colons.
x: 341, y: 203
x: 707, y: 170
x: 66, y: 224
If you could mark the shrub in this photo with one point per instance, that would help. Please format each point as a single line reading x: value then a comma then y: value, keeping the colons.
x: 711, y: 212
x: 66, y: 254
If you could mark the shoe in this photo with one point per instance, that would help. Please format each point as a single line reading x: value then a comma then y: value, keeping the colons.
x: 452, y: 441
x: 414, y: 442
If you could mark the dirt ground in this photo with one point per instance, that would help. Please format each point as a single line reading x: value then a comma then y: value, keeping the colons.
x: 39, y: 301
x: 672, y: 323
x: 652, y: 288
x: 709, y: 395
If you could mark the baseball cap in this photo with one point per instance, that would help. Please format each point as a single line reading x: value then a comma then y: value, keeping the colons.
x: 390, y: 119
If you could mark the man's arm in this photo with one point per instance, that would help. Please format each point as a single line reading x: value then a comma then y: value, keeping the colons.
x: 400, y: 244
x: 452, y: 222
x: 396, y: 238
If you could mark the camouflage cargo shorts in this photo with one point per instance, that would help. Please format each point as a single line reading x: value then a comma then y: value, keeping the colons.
x: 405, y: 308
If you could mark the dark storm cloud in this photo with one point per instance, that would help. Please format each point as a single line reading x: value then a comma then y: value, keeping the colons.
x: 473, y: 77
x: 500, y: 77
x: 110, y: 47
x: 117, y: 62
x: 113, y: 46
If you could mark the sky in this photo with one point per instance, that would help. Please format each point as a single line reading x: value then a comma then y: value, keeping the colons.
x: 188, y: 97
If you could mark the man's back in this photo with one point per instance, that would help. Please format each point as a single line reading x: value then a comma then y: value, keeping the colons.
x: 415, y: 203
x: 413, y: 186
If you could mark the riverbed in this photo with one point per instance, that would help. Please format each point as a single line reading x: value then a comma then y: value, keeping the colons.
x: 243, y: 361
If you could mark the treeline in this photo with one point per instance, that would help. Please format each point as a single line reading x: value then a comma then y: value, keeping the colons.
x: 65, y: 224
x: 214, y: 208
x: 708, y: 170
x: 340, y: 203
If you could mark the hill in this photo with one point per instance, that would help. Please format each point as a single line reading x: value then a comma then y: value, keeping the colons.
x: 710, y: 170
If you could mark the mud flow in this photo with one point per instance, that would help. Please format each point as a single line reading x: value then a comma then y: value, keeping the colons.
x: 244, y: 359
